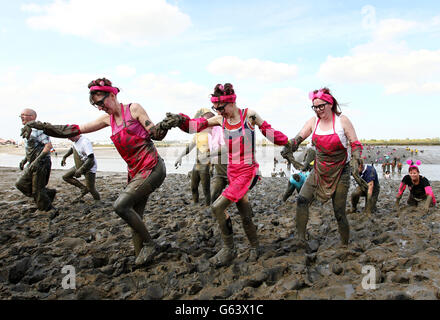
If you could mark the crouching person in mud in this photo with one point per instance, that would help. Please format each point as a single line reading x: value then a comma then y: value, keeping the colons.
x: 371, y: 193
x: 36, y: 175
x: 239, y: 133
x: 132, y: 134
x: 332, y: 133
x: 85, y: 164
x: 420, y: 191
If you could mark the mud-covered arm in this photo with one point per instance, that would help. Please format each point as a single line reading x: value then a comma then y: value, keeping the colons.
x: 187, y: 150
x: 43, y: 154
x: 87, y: 165
x: 22, y: 163
x: 68, y: 153
x: 293, y: 144
x: 58, y: 131
x: 65, y: 130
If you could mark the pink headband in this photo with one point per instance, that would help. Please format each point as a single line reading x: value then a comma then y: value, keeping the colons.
x: 105, y: 89
x: 229, y: 99
x: 412, y: 165
x: 321, y: 95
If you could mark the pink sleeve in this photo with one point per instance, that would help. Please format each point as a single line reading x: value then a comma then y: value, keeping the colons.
x: 272, y: 135
x: 193, y: 125
x: 356, y: 145
x: 402, y: 188
x: 429, y: 192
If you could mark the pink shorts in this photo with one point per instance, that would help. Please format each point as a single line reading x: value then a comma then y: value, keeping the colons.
x: 241, y: 178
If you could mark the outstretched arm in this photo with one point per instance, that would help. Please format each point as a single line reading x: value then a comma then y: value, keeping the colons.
x: 189, y: 125
x: 65, y: 131
x: 293, y: 144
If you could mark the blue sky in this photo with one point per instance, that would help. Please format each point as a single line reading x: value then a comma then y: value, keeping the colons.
x: 381, y: 59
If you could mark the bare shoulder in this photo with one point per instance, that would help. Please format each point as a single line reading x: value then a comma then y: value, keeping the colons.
x: 311, y: 122
x: 136, y: 107
x: 105, y: 118
x: 344, y: 120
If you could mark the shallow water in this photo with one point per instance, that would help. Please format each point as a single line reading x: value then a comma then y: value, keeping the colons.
x: 430, y: 167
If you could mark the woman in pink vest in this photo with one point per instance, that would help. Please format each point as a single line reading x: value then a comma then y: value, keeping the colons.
x: 332, y: 136
x: 239, y: 135
x: 132, y: 134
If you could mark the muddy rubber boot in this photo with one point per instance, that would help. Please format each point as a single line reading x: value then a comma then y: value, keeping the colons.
x: 226, y: 255
x: 251, y: 233
x: 147, y: 253
x: 254, y: 254
x: 51, y: 193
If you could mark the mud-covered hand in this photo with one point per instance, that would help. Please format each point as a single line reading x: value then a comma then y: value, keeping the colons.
x: 63, y: 162
x: 354, y: 165
x: 427, y: 203
x: 287, y: 152
x: 171, y: 120
x: 178, y: 162
x: 22, y: 163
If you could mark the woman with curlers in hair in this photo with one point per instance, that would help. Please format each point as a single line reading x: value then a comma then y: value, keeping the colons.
x: 239, y: 135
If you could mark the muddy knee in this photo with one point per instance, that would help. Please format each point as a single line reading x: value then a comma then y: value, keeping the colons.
x: 121, y: 207
x: 302, y: 202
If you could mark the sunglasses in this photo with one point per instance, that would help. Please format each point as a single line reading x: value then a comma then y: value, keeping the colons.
x: 220, y: 108
x: 100, y: 103
x: 319, y: 107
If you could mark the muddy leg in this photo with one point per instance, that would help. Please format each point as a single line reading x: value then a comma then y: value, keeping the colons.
x: 339, y: 199
x: 227, y: 253
x: 195, y: 180
x: 69, y: 177
x: 205, y: 179
x: 90, y: 182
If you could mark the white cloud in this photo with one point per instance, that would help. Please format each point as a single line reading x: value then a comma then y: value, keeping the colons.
x: 390, y: 28
x: 136, y: 22
x: 163, y: 94
x: 125, y: 71
x: 266, y: 71
x: 386, y: 61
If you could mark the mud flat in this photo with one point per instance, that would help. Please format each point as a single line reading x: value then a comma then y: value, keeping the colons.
x: 404, y: 248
